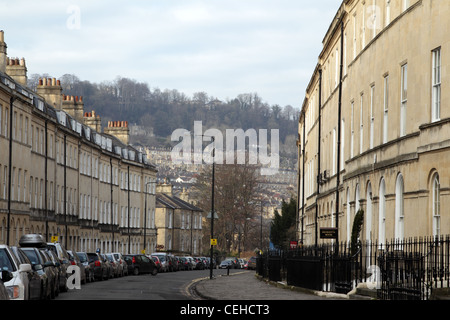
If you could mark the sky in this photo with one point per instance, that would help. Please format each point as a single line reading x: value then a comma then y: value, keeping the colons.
x: 221, y: 47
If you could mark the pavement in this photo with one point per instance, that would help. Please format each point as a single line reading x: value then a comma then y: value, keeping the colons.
x: 247, y: 285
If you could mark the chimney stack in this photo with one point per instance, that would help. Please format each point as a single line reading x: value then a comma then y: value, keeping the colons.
x: 93, y: 121
x: 50, y: 89
x: 119, y: 129
x: 17, y: 69
x: 3, y: 57
x: 74, y: 106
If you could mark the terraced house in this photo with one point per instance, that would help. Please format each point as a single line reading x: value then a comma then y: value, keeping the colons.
x: 374, y: 132
x: 61, y: 176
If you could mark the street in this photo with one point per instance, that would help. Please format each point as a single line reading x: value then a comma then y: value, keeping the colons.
x: 163, y: 286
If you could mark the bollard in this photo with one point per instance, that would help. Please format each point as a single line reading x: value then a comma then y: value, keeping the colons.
x: 228, y: 270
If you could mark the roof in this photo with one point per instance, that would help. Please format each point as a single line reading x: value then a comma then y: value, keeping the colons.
x: 165, y: 201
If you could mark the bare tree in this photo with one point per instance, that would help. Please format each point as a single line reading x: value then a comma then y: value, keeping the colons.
x: 235, y: 202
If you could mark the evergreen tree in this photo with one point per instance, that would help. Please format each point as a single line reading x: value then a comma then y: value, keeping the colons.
x: 283, y: 227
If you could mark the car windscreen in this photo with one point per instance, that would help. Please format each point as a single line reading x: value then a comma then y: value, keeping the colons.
x: 82, y: 257
x: 93, y: 257
x: 32, y: 255
x: 5, y: 261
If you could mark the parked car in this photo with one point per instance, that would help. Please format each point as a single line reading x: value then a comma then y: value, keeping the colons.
x: 163, y: 259
x: 5, y: 276
x: 192, y: 262
x: 36, y: 240
x: 241, y: 263
x: 199, y: 265
x: 205, y: 262
x: 51, y: 262
x: 115, y: 272
x: 88, y: 266
x: 235, y: 261
x: 157, y: 262
x: 17, y: 286
x: 76, y: 261
x: 226, y: 264
x: 63, y: 257
x: 100, y: 268
x: 35, y: 279
x: 123, y: 267
x: 185, y: 264
x: 139, y: 263
x: 251, y: 264
x: 109, y: 266
x: 174, y: 263
x: 214, y: 263
x: 48, y: 274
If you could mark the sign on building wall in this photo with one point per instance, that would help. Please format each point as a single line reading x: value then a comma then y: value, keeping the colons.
x: 328, y: 233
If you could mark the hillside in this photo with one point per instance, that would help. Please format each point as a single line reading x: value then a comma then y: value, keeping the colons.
x: 163, y: 111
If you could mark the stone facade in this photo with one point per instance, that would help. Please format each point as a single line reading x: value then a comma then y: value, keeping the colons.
x: 179, y: 222
x: 374, y: 130
x: 60, y: 176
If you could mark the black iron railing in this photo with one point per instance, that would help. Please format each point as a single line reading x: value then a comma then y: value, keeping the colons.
x: 406, y: 269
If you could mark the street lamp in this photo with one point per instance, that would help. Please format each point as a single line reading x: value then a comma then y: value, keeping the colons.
x: 212, y: 213
x: 212, y: 216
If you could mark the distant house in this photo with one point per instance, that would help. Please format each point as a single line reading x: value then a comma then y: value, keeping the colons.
x: 178, y: 222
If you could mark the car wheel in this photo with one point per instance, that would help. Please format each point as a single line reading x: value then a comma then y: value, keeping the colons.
x: 136, y: 271
x: 154, y: 272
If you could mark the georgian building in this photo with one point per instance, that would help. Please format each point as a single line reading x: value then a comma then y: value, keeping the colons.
x: 179, y: 223
x: 375, y: 123
x: 60, y: 176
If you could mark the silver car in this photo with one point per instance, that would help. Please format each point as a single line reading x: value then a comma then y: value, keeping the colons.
x: 123, y: 267
x: 17, y: 287
x: 63, y: 257
x: 45, y: 269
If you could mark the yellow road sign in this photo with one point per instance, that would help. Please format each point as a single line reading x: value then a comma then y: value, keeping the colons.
x: 54, y: 239
x: 214, y: 242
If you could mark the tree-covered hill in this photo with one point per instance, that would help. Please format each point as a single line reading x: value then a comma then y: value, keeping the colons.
x: 163, y: 111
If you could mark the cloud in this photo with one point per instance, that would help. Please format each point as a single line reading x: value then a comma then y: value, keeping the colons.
x: 222, y: 47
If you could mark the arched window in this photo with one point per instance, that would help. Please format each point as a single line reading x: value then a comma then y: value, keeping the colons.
x: 382, y: 212
x: 399, y: 210
x: 357, y: 205
x: 436, y: 206
x: 369, y: 212
x: 348, y: 216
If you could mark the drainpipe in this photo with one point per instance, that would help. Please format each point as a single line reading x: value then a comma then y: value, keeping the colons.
x: 303, y: 177
x: 128, y: 191
x: 65, y: 190
x: 11, y: 102
x: 318, y: 156
x: 112, y: 206
x: 339, y: 133
x: 45, y: 182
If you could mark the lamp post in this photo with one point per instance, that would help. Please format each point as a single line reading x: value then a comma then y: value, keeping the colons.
x: 213, y: 213
x: 212, y: 218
